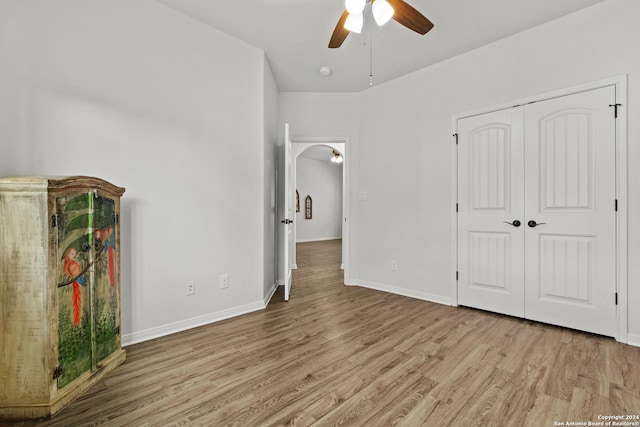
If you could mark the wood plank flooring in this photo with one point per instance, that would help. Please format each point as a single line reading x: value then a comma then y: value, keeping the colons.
x: 340, y: 355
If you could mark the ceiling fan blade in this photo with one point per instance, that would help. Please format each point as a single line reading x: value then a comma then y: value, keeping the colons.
x: 340, y: 33
x: 408, y: 16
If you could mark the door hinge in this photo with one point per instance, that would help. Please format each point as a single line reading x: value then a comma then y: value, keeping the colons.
x: 456, y: 136
x: 616, y: 205
x: 456, y: 207
x: 456, y: 275
x: 117, y: 331
x: 615, y: 109
x: 57, y: 372
x: 55, y: 219
x: 117, y: 219
x: 616, y: 298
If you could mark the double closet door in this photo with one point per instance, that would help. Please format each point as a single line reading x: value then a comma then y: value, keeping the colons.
x: 537, y: 214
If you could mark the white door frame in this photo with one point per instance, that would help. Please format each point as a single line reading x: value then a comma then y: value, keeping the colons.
x: 341, y: 144
x: 620, y: 84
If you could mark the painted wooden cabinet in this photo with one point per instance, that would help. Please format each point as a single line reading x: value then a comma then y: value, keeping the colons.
x: 59, y: 291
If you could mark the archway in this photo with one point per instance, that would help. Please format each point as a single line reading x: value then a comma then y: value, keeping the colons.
x: 317, y: 145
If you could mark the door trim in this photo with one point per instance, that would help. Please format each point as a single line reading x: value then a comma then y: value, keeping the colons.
x: 620, y: 84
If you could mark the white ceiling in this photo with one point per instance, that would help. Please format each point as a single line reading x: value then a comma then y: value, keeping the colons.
x: 294, y: 35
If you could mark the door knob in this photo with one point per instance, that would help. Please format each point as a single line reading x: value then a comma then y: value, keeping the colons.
x: 515, y: 223
x: 533, y: 224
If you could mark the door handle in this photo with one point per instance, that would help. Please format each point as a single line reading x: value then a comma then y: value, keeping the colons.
x: 287, y: 221
x: 515, y: 223
x: 533, y: 224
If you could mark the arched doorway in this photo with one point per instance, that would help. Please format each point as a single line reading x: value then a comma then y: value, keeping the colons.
x: 323, y: 149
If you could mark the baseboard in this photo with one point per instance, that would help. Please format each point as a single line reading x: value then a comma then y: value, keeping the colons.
x: 269, y: 295
x: 321, y: 239
x: 402, y: 291
x: 194, y: 322
x: 183, y: 325
x: 633, y: 339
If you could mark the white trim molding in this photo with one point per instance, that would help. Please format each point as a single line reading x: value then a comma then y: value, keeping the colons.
x: 622, y: 260
x: 269, y: 295
x: 633, y: 339
x: 194, y: 322
x: 425, y: 296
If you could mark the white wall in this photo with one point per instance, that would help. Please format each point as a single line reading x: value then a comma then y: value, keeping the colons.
x: 270, y: 160
x: 322, y: 181
x: 13, y: 87
x: 171, y: 109
x: 592, y: 44
x: 319, y: 114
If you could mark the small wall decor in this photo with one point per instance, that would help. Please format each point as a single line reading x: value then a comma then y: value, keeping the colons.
x: 308, y: 208
x: 297, y: 201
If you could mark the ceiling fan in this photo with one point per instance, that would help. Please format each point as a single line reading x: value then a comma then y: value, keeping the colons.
x: 383, y: 10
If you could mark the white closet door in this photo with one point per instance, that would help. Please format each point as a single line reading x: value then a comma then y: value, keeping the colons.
x: 490, y: 196
x: 570, y: 189
x: 551, y: 166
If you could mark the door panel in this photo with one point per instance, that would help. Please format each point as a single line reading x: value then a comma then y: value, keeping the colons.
x: 566, y: 160
x: 489, y: 162
x: 564, y: 268
x: 105, y: 297
x: 74, y: 284
x: 570, y: 188
x: 490, y: 262
x: 287, y: 234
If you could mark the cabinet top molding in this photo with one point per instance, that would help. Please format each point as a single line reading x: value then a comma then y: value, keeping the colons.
x: 58, y: 183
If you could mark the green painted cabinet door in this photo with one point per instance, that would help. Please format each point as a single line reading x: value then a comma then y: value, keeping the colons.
x: 87, y: 295
x: 105, y: 291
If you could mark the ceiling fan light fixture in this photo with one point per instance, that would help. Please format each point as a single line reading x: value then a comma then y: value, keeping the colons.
x: 354, y: 6
x: 382, y: 12
x: 336, y: 158
x: 354, y: 22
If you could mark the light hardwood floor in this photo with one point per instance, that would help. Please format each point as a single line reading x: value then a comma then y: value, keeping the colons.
x: 339, y: 355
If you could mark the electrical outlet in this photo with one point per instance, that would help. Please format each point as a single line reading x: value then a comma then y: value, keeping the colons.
x: 224, y: 281
x: 394, y: 265
x: 191, y: 287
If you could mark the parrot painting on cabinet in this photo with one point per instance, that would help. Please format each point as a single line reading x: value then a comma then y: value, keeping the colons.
x: 106, y: 237
x: 73, y: 270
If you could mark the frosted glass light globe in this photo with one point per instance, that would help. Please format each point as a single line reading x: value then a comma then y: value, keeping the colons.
x: 354, y: 6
